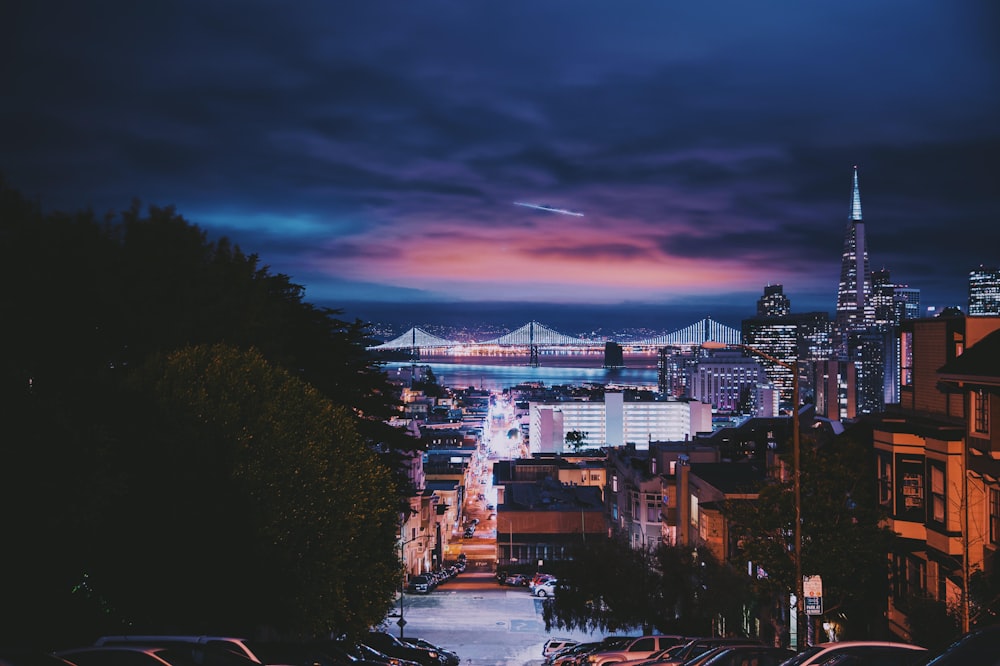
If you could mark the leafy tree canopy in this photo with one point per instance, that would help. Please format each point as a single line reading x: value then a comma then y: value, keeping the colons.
x: 842, y: 540
x: 182, y: 431
x: 609, y: 586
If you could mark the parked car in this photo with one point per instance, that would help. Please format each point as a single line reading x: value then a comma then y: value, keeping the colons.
x: 696, y: 647
x: 640, y: 647
x: 200, y: 652
x: 882, y: 653
x: 554, y: 645
x: 979, y: 646
x: 28, y: 657
x: 420, y: 584
x: 541, y: 578
x: 755, y: 654
x: 125, y: 655
x: 568, y: 656
x: 361, y: 654
x: 719, y: 650
x: 516, y: 580
x: 447, y: 657
x: 234, y: 644
x: 544, y: 589
x: 392, y: 646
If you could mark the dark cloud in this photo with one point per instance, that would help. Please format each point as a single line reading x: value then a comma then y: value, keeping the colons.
x: 376, y: 148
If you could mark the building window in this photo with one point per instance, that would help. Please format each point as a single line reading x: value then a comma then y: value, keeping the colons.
x: 906, y: 358
x: 981, y: 412
x: 614, y: 483
x: 909, y: 576
x: 884, y: 476
x: 937, y: 494
x: 994, y: 516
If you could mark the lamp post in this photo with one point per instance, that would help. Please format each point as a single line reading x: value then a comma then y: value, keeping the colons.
x: 796, y: 462
x: 402, y: 581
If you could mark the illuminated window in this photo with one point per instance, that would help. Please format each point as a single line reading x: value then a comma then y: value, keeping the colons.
x: 906, y: 358
x: 981, y: 412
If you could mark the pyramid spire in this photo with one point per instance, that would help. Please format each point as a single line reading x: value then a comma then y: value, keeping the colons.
x: 856, y: 197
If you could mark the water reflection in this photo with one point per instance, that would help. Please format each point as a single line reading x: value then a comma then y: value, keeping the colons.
x: 496, y: 376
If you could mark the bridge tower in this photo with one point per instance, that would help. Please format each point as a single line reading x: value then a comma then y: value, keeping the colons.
x: 414, y: 355
x: 533, y: 348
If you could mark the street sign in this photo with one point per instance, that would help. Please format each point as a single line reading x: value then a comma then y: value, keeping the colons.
x: 814, y: 605
x: 812, y: 590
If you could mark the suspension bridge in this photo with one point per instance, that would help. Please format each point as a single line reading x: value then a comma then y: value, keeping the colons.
x: 537, y: 338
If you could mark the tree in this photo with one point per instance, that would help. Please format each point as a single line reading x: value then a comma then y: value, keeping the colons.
x: 247, y: 490
x: 575, y: 439
x: 604, y: 587
x: 92, y: 301
x: 842, y: 540
x: 609, y: 586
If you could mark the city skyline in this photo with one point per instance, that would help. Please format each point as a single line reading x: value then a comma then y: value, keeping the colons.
x: 527, y: 159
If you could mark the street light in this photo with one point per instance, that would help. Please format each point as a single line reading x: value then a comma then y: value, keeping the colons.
x: 794, y: 368
x: 402, y: 581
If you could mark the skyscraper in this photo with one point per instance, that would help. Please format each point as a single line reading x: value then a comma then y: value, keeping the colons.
x: 984, y: 291
x: 906, y: 302
x: 855, y: 309
x: 773, y: 303
x: 883, y: 291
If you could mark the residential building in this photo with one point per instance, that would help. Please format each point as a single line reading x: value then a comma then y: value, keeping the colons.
x: 641, y: 505
x: 937, y: 459
x: 702, y: 490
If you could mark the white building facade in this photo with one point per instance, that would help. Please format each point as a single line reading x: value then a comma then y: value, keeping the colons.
x: 615, y: 422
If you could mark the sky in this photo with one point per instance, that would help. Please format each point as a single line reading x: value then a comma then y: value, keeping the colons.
x: 374, y: 151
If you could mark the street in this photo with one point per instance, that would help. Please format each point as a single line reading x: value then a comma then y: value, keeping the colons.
x: 486, y: 624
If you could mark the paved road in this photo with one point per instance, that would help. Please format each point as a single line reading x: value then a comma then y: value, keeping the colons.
x: 486, y: 624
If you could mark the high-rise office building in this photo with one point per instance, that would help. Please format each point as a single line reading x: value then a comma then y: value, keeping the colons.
x: 732, y: 382
x: 906, y: 303
x: 855, y: 310
x: 882, y: 297
x: 984, y: 291
x: 778, y: 338
x: 773, y: 303
x: 867, y: 350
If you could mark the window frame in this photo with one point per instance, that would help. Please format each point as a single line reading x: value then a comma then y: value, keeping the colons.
x: 979, y: 423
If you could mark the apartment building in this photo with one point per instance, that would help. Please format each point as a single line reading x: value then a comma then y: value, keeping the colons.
x: 938, y: 460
